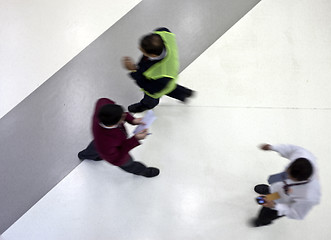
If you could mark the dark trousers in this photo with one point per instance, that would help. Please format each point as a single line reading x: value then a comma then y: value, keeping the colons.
x: 89, y: 153
x: 179, y: 93
x: 130, y: 166
x: 266, y: 216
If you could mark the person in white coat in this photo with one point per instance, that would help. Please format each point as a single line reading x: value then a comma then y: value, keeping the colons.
x: 298, y: 186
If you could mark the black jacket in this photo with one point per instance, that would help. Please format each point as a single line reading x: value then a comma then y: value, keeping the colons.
x: 151, y: 86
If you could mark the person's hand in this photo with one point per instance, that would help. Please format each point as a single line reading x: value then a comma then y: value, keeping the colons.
x: 137, y: 121
x: 128, y: 64
x: 141, y: 135
x: 265, y: 147
x: 268, y: 203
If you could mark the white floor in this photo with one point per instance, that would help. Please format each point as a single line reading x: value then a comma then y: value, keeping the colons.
x: 40, y: 37
x: 266, y: 80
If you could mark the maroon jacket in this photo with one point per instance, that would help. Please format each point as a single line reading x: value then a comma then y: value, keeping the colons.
x: 112, y: 144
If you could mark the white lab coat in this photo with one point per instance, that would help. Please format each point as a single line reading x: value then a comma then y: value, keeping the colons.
x: 301, y: 198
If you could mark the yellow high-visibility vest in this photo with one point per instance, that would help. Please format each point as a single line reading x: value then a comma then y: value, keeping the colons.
x: 167, y: 67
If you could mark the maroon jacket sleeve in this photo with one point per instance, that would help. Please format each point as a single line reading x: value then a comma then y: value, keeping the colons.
x: 118, y: 154
x: 129, y: 118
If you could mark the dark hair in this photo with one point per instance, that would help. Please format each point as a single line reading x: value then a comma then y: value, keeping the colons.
x: 301, y: 169
x: 152, y: 44
x: 110, y: 114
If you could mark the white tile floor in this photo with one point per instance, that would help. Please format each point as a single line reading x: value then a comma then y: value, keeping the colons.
x: 266, y: 80
x: 40, y: 37
x: 205, y: 187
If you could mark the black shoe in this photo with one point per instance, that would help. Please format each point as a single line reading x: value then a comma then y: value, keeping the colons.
x: 137, y: 108
x: 255, y: 223
x: 188, y: 94
x: 80, y: 156
x: 262, y: 189
x: 151, y: 172
x: 98, y: 159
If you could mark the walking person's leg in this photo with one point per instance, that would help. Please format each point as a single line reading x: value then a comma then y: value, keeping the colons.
x: 146, y: 103
x: 181, y: 93
x: 89, y: 153
x: 139, y: 168
x: 265, y: 217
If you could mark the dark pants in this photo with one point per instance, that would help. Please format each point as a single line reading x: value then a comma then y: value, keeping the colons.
x: 89, y: 153
x: 130, y: 166
x: 179, y: 93
x: 266, y: 216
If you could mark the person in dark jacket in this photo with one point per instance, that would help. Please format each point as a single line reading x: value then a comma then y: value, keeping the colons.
x: 111, y: 142
x: 157, y: 71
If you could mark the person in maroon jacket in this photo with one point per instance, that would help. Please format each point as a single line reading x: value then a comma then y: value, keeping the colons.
x: 111, y: 142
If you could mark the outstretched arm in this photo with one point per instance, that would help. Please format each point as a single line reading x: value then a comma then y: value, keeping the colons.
x: 285, y: 150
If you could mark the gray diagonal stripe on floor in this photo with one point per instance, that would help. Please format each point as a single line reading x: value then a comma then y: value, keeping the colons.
x: 40, y: 137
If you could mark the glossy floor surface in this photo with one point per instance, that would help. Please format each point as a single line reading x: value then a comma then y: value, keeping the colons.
x: 40, y: 37
x: 53, y: 122
x: 266, y: 80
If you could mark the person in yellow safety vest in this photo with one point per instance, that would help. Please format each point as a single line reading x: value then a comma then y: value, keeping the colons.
x: 157, y: 71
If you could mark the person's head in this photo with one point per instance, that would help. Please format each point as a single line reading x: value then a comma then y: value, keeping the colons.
x: 110, y: 114
x: 151, y: 45
x: 300, y: 170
